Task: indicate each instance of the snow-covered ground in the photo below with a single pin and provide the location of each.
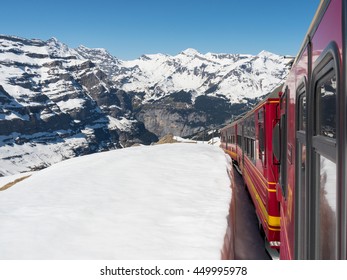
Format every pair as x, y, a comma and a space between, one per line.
167, 201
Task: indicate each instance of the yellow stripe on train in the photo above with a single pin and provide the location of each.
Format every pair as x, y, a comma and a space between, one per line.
272, 221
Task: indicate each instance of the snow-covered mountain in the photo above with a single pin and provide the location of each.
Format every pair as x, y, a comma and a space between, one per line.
109, 64
56, 104
234, 76
56, 100
188, 92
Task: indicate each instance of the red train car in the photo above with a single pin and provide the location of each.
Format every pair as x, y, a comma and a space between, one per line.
308, 147
312, 182
249, 143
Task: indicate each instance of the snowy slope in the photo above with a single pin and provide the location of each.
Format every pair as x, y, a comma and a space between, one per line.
149, 202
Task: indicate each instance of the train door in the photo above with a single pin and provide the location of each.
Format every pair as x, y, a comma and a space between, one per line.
239, 129
261, 136
325, 191
301, 196
284, 143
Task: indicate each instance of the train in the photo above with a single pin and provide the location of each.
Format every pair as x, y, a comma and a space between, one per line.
291, 149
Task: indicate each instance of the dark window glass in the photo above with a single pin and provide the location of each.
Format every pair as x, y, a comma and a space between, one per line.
327, 108
239, 129
261, 135
239, 141
252, 148
261, 115
302, 112
261, 142
252, 127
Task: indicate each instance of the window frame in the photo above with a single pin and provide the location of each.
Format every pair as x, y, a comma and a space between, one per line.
325, 67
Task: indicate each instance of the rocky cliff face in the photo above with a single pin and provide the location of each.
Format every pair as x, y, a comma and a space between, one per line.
190, 92
177, 114
57, 102
51, 96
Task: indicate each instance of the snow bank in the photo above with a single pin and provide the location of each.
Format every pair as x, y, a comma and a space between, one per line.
159, 202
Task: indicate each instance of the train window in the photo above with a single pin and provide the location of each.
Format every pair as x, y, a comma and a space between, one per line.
261, 142
324, 169
251, 126
252, 149
261, 115
246, 145
261, 135
239, 140
302, 112
249, 137
324, 138
239, 135
327, 107
327, 217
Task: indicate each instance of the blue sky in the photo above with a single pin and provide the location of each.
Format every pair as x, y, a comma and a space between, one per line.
130, 28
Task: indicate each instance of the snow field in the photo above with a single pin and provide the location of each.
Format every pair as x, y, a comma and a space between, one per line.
167, 201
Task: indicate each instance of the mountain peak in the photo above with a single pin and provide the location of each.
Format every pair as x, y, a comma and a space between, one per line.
55, 42
53, 39
190, 52
99, 50
57, 48
265, 53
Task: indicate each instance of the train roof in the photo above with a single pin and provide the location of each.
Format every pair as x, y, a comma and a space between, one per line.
323, 5
271, 95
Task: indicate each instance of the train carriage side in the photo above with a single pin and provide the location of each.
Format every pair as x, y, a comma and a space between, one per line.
228, 140
259, 167
308, 162
223, 138
312, 185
